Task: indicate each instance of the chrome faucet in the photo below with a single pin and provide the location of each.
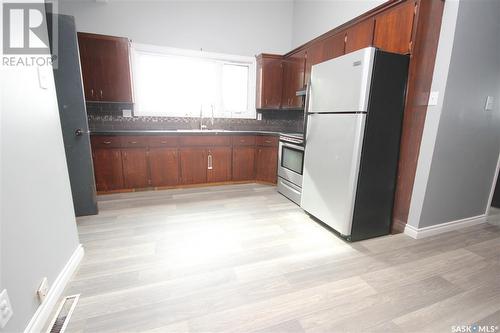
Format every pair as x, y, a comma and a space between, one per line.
212, 120
202, 127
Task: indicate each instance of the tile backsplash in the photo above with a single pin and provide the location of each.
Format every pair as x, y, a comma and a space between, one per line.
109, 116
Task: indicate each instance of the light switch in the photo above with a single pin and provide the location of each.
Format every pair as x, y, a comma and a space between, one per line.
43, 76
490, 102
433, 98
5, 308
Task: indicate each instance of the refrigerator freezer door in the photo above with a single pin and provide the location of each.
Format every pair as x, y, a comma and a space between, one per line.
331, 167
342, 84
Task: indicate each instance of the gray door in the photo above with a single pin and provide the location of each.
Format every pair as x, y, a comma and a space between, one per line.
73, 115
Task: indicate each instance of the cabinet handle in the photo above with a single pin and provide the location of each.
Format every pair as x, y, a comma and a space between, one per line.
92, 92
106, 142
101, 93
267, 141
163, 142
265, 102
210, 162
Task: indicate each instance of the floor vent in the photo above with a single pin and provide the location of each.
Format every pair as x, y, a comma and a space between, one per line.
63, 314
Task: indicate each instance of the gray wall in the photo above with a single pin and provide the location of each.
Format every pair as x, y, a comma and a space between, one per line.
234, 27
312, 18
467, 144
38, 229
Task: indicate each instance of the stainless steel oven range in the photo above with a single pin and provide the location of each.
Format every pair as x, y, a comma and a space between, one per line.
290, 165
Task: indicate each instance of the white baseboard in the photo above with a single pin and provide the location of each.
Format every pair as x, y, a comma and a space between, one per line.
43, 312
443, 227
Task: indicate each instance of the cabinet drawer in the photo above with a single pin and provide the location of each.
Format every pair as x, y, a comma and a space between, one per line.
163, 141
243, 140
205, 140
267, 140
101, 141
134, 141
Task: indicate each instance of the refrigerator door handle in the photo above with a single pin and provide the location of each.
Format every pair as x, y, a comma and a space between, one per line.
306, 108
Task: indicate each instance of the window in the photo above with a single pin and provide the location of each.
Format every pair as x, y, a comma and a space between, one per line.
181, 83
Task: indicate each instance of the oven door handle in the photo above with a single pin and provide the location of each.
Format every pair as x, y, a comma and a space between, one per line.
289, 145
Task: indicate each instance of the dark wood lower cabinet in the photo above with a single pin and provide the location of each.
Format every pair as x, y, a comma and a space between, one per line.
108, 169
266, 165
135, 168
219, 164
193, 165
243, 163
183, 160
164, 166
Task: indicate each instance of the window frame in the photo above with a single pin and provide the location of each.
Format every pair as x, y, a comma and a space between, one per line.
250, 113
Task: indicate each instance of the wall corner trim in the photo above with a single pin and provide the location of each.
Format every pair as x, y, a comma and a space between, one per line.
432, 230
43, 312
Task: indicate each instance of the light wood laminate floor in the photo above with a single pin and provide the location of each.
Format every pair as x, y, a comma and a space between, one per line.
242, 258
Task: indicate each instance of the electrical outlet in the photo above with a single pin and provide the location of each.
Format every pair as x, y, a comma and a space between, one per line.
43, 290
127, 113
490, 102
5, 308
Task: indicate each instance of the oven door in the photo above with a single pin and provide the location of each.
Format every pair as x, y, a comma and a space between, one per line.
291, 162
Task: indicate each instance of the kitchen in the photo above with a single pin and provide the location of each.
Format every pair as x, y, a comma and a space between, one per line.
228, 175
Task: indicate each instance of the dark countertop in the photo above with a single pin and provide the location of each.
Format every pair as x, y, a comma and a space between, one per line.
182, 132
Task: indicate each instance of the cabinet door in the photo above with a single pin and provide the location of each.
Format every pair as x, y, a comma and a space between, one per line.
314, 56
108, 169
359, 36
219, 164
105, 67
333, 46
193, 165
243, 163
88, 62
164, 166
293, 80
269, 81
135, 168
267, 164
393, 29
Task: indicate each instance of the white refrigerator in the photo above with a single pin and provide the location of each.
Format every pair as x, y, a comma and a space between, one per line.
353, 128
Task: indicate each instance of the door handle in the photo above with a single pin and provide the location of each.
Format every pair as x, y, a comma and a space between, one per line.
80, 132
210, 167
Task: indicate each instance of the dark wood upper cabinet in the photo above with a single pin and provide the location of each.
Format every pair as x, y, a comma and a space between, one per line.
269, 81
333, 46
266, 164
243, 163
359, 36
105, 63
135, 168
108, 168
164, 166
314, 55
193, 165
219, 164
393, 28
293, 80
